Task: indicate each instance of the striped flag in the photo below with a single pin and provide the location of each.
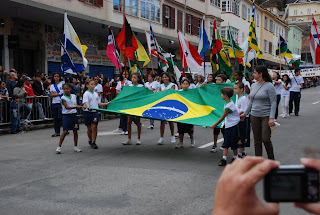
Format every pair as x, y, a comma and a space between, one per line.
252, 39
204, 43
314, 42
154, 47
282, 47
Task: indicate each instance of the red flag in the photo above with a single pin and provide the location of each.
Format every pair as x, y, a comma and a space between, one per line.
216, 39
126, 40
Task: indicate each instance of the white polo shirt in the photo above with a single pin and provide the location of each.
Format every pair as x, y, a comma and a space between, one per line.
92, 98
120, 84
232, 118
242, 104
71, 102
295, 83
98, 89
57, 99
154, 85
164, 87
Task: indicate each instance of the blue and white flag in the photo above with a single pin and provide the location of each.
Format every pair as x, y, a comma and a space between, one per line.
204, 43
72, 42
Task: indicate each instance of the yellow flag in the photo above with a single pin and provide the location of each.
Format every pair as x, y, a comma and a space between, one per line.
142, 55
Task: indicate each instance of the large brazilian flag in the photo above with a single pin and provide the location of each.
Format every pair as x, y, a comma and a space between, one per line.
201, 106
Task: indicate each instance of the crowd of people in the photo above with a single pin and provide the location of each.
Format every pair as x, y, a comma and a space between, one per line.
257, 101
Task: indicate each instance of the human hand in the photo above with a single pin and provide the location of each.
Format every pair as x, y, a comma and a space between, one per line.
242, 117
271, 122
213, 126
310, 207
237, 185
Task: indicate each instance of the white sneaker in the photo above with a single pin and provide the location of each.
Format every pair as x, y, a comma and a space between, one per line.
193, 143
117, 131
150, 127
173, 139
214, 149
176, 135
128, 142
76, 149
123, 133
126, 133
160, 141
138, 142
178, 146
58, 150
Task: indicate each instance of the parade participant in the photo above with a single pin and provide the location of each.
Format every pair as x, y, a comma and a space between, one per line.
98, 88
295, 91
262, 105
210, 80
189, 77
232, 119
91, 117
238, 77
285, 95
224, 73
174, 81
278, 85
216, 131
124, 81
182, 127
244, 126
56, 91
69, 117
166, 85
136, 82
200, 80
154, 87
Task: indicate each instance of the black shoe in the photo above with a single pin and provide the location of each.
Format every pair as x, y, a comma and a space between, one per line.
68, 132
223, 162
90, 142
297, 114
244, 154
240, 156
55, 135
233, 159
94, 146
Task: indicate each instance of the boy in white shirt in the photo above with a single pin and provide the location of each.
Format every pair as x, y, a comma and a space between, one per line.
295, 91
232, 120
153, 86
244, 126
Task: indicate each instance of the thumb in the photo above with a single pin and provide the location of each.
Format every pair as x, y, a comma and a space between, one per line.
310, 207
271, 208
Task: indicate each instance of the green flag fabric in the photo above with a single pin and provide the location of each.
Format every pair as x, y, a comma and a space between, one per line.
201, 106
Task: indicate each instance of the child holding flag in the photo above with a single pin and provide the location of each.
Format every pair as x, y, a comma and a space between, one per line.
231, 125
136, 82
69, 117
91, 117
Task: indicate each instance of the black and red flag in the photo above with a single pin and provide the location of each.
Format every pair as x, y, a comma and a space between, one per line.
126, 41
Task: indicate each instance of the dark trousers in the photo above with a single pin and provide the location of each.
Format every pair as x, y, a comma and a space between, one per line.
57, 117
124, 122
15, 123
278, 101
262, 134
294, 97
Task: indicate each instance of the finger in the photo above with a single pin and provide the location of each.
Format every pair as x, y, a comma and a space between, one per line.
248, 162
272, 208
257, 172
310, 207
309, 162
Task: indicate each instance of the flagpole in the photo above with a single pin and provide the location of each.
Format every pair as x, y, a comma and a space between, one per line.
279, 52
145, 32
184, 33
124, 31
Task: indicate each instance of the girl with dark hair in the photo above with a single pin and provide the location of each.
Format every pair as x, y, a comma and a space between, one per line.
238, 77
262, 105
56, 92
285, 95
136, 82
189, 77
124, 81
200, 80
224, 73
278, 85
166, 85
174, 81
210, 80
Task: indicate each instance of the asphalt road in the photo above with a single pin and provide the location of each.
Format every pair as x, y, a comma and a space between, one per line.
146, 179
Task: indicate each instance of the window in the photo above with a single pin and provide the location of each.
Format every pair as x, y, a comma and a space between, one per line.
309, 18
265, 46
216, 2
249, 14
309, 11
168, 17
295, 12
266, 22
243, 37
90, 1
277, 30
223, 32
257, 16
294, 33
234, 32
270, 47
117, 5
211, 29
244, 11
189, 23
180, 20
199, 25
286, 35
293, 19
230, 6
150, 9
132, 7
271, 26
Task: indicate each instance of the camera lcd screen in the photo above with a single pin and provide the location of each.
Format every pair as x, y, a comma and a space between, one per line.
285, 187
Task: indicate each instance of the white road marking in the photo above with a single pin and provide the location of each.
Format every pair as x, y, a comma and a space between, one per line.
210, 144
316, 102
106, 133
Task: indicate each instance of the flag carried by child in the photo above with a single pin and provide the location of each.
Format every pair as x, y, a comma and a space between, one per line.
204, 43
72, 42
216, 39
154, 47
126, 40
141, 54
315, 42
189, 55
112, 52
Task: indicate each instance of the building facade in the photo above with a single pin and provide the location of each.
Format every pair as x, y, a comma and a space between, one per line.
295, 39
31, 30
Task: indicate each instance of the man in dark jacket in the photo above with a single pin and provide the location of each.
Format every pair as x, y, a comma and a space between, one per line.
37, 86
11, 82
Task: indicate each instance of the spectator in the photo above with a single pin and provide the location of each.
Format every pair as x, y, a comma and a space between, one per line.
11, 83
22, 106
75, 87
4, 98
14, 113
37, 86
262, 105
